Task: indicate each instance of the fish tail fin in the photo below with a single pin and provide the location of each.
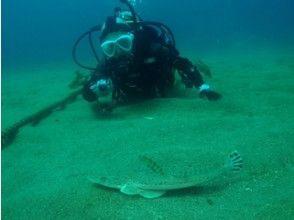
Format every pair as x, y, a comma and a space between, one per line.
234, 162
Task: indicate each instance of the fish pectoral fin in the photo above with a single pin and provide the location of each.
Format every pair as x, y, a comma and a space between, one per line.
151, 194
132, 189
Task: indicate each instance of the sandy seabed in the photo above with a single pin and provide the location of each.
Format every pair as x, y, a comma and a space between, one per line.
45, 170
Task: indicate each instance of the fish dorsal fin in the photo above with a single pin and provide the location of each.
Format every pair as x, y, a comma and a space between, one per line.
132, 189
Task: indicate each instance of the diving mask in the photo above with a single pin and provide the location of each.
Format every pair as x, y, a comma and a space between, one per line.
117, 44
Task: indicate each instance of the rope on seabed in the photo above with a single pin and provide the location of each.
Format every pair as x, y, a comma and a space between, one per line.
8, 135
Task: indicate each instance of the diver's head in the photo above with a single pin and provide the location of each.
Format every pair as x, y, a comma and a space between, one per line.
117, 44
117, 37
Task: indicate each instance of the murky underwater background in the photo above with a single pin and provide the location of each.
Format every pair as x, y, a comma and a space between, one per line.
35, 31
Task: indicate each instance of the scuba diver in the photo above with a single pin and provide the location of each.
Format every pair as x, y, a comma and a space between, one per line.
139, 61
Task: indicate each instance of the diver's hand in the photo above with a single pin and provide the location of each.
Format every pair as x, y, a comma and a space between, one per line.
206, 92
210, 95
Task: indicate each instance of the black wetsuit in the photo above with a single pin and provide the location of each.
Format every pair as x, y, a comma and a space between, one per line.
148, 72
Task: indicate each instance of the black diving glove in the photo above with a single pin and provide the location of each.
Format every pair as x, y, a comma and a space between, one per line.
205, 92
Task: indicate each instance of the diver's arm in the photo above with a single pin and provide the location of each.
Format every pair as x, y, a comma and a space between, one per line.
188, 72
191, 77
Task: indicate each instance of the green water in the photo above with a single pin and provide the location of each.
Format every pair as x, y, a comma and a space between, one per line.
45, 170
